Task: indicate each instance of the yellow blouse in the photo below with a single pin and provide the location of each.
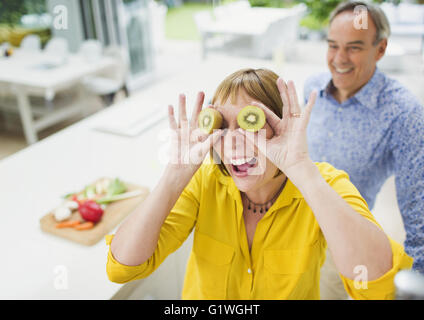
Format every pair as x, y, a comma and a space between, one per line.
287, 252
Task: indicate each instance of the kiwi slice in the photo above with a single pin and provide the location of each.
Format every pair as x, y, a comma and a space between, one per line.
251, 118
210, 119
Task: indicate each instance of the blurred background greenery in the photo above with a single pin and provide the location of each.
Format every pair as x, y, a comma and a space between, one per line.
11, 28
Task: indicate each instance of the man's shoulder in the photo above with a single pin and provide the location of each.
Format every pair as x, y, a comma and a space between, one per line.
395, 95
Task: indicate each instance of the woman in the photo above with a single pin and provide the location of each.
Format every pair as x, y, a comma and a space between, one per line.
238, 251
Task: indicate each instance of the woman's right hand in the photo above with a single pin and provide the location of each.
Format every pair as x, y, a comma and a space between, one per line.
189, 144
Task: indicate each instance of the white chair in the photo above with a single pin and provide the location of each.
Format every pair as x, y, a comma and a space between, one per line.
228, 11
57, 46
31, 43
56, 51
109, 83
406, 20
91, 50
208, 40
393, 59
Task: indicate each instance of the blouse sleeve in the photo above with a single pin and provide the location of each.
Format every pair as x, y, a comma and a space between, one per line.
175, 230
360, 288
382, 288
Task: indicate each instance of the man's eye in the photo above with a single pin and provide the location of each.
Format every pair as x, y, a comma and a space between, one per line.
354, 48
333, 47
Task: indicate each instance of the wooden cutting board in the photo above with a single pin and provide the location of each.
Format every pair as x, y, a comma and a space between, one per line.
114, 213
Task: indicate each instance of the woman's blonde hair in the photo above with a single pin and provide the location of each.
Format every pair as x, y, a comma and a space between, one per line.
259, 84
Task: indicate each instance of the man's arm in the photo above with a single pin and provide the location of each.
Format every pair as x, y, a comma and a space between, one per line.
407, 146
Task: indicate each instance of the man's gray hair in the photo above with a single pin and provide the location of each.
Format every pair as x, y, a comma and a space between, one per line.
377, 15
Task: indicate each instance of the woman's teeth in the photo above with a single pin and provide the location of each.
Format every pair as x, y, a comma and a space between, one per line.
239, 162
241, 166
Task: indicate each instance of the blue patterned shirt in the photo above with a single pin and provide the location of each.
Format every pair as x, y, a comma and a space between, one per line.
377, 133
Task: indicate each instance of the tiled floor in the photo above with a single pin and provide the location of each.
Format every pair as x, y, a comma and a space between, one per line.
12, 138
10, 143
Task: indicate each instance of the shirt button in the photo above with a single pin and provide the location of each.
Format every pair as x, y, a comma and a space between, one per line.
324, 158
339, 109
249, 271
330, 134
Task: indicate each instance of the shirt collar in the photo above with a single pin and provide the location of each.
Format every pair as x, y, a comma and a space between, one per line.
367, 95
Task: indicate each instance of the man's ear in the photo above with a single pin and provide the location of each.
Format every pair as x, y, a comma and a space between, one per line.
381, 49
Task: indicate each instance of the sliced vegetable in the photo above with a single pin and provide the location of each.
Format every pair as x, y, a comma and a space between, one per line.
68, 224
78, 198
84, 226
91, 211
90, 192
102, 185
116, 187
62, 213
68, 196
73, 205
121, 196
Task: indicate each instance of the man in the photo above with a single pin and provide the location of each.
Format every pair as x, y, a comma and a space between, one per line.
368, 124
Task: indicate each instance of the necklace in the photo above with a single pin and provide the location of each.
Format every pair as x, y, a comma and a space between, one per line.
263, 207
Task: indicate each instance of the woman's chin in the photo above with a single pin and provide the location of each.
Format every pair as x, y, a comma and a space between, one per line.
245, 182
244, 186
254, 178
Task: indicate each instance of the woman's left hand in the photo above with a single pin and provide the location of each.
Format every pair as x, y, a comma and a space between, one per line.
288, 148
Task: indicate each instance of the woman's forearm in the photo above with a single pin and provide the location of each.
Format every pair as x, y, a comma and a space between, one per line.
136, 239
351, 238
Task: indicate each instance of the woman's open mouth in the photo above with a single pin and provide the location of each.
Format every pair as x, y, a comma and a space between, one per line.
241, 166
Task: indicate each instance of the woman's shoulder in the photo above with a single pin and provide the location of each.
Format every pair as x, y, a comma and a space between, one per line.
329, 172
338, 179
208, 172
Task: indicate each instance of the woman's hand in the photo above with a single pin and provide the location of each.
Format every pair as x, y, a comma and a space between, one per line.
189, 144
288, 148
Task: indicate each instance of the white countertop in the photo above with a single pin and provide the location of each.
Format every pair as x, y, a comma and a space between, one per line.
32, 183
36, 265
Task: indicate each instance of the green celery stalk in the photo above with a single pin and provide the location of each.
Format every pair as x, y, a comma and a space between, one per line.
121, 196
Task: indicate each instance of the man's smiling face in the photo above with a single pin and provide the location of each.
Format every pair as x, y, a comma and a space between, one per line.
352, 53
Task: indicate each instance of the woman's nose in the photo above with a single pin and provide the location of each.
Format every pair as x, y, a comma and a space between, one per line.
235, 143
235, 135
